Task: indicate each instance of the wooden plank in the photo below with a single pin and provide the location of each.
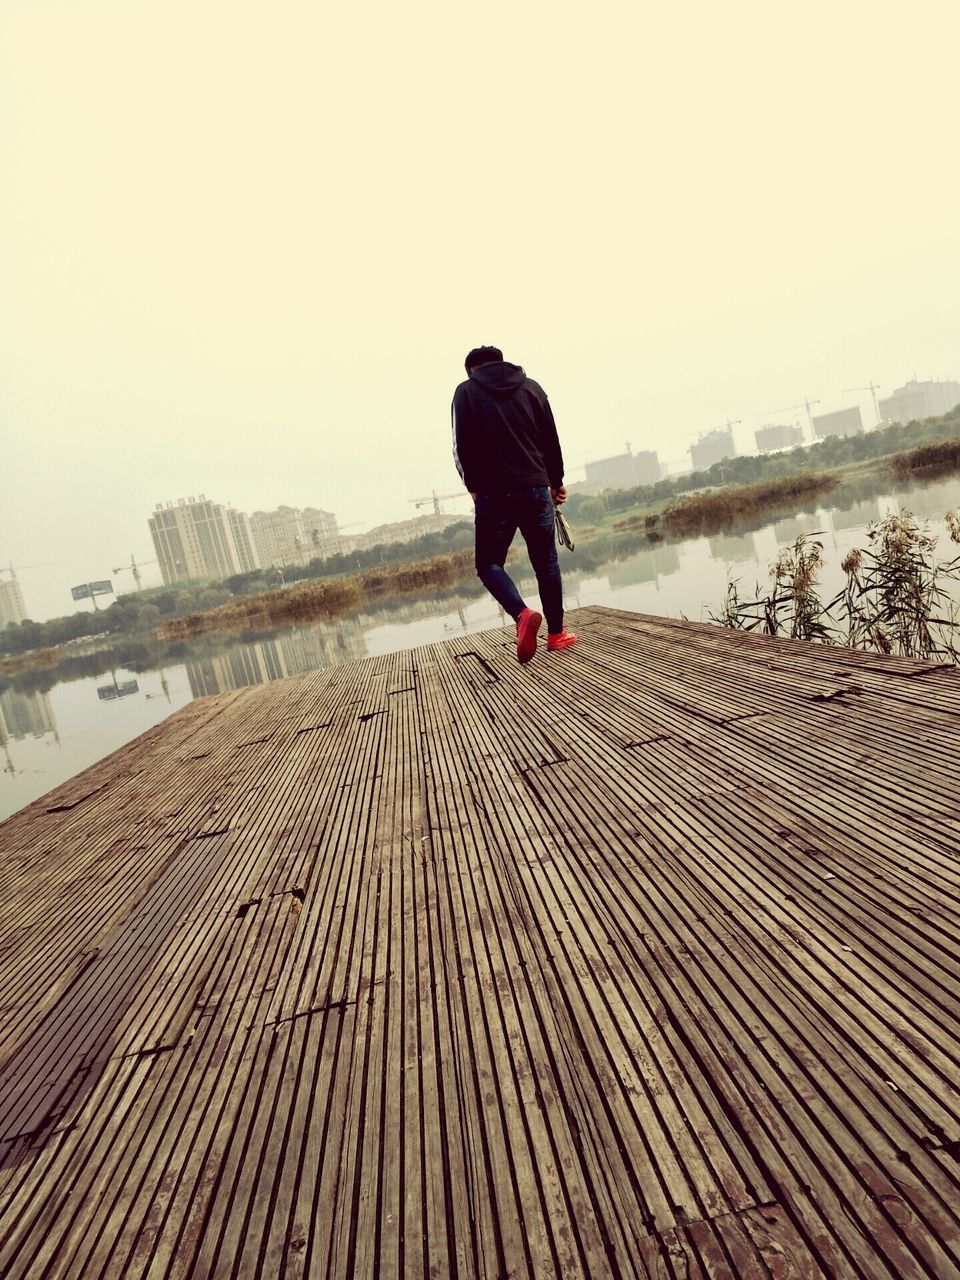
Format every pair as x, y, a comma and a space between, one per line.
639, 961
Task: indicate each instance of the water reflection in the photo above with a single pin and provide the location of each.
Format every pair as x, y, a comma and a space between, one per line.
788, 531
857, 515
668, 579
287, 653
645, 566
22, 716
734, 548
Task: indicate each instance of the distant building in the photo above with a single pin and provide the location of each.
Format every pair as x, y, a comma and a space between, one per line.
845, 422
403, 530
12, 608
288, 535
243, 542
624, 470
319, 527
920, 400
712, 447
279, 537
778, 436
193, 539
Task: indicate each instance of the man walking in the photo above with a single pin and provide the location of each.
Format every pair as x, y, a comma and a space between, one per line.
506, 449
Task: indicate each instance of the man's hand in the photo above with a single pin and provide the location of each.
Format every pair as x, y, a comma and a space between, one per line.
559, 496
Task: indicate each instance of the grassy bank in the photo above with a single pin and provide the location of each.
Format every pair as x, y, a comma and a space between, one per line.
326, 599
939, 459
718, 510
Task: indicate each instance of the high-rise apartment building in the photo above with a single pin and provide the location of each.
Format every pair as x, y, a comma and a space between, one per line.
193, 539
845, 422
920, 400
320, 530
280, 538
242, 533
624, 470
712, 447
12, 608
778, 435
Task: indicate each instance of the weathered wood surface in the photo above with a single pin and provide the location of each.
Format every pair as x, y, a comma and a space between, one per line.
641, 961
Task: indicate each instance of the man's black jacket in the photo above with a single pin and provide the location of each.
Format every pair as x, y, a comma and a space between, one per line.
504, 435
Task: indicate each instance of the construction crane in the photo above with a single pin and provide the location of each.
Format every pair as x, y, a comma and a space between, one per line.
804, 404
434, 500
134, 568
12, 568
873, 389
318, 539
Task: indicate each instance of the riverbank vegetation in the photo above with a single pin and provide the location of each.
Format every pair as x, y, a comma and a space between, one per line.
929, 460
328, 599
895, 598
704, 514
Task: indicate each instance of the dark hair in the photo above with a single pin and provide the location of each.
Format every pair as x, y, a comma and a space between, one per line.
482, 355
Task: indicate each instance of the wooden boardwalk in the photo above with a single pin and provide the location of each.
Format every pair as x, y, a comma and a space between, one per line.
641, 961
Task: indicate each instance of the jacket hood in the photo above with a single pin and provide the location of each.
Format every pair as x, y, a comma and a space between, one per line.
500, 379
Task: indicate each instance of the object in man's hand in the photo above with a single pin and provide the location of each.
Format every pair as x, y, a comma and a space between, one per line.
564, 536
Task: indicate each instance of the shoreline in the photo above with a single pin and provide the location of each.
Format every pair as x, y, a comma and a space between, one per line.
728, 508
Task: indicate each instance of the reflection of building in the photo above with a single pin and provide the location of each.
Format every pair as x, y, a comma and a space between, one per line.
930, 501
920, 400
12, 608
857, 516
193, 539
288, 653
845, 422
26, 715
734, 548
790, 530
624, 470
712, 447
648, 565
778, 436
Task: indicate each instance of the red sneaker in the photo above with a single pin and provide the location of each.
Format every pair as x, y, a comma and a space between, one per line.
528, 624
562, 640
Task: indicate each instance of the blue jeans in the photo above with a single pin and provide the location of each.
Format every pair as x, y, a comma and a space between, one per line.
498, 517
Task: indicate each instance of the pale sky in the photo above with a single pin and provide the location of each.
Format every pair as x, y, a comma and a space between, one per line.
245, 246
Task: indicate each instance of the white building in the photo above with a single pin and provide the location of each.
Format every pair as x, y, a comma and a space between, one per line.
844, 422
291, 536
916, 400
279, 537
193, 539
12, 608
712, 447
242, 532
624, 470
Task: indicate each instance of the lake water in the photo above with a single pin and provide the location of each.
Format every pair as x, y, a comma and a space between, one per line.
47, 737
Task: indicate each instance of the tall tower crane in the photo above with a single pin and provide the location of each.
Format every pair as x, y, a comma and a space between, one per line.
134, 568
12, 568
435, 499
804, 404
873, 389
